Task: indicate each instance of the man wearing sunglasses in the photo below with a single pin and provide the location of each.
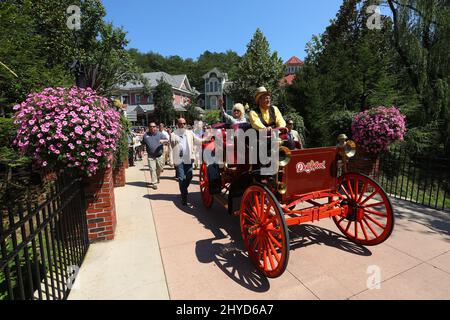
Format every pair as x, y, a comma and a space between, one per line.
154, 142
184, 155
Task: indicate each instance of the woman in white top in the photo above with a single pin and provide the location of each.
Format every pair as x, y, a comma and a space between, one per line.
238, 113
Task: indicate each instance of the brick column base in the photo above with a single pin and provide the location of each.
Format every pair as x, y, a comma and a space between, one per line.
119, 176
101, 208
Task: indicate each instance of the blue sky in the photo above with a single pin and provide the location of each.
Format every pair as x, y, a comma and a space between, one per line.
189, 27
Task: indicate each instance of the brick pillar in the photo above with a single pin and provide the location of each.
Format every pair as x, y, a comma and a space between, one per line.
119, 176
101, 208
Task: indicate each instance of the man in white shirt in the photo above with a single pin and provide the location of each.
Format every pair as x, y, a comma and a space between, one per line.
183, 154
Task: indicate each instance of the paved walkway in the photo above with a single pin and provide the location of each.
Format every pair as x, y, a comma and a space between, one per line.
203, 258
130, 266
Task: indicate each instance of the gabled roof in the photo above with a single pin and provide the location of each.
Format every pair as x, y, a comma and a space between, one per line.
294, 61
215, 70
175, 81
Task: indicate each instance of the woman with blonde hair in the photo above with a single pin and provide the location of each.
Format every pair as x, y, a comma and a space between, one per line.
238, 113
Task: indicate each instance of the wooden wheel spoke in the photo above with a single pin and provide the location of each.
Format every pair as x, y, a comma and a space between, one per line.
348, 226
257, 206
372, 210
377, 213
370, 228
274, 251
249, 217
364, 231
260, 245
375, 221
377, 204
270, 254
345, 191
363, 191
274, 241
349, 185
368, 198
263, 249
267, 212
253, 246
262, 206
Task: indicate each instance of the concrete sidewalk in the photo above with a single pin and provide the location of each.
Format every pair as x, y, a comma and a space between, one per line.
203, 256
130, 266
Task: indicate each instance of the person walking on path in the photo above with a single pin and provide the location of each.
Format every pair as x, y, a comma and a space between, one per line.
154, 142
184, 156
162, 129
130, 149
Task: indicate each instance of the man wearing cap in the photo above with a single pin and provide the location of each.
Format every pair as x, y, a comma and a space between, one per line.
238, 113
267, 115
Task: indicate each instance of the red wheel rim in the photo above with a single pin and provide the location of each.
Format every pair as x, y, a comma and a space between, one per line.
207, 198
369, 219
264, 231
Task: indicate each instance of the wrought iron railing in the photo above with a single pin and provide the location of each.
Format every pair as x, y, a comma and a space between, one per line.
416, 178
43, 241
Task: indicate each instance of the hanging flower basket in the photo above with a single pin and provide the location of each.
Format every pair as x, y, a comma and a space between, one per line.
374, 131
72, 129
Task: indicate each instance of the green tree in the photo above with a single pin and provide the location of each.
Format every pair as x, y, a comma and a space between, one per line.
348, 67
259, 67
212, 116
39, 46
421, 36
163, 97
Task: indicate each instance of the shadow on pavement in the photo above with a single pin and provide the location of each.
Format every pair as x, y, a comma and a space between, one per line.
233, 262
139, 184
304, 235
436, 220
229, 257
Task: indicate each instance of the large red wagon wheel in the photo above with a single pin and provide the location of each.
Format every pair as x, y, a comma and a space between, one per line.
207, 197
370, 218
264, 231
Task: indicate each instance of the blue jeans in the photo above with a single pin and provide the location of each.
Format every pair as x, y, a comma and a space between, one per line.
184, 174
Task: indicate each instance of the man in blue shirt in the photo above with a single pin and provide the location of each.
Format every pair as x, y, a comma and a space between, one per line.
154, 142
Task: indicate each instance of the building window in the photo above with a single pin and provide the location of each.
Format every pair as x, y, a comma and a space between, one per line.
125, 99
216, 88
138, 98
213, 102
211, 88
150, 99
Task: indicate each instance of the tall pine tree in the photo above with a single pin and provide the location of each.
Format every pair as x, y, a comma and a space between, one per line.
259, 67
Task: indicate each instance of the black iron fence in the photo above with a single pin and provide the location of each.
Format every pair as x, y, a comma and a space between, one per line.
420, 179
43, 241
